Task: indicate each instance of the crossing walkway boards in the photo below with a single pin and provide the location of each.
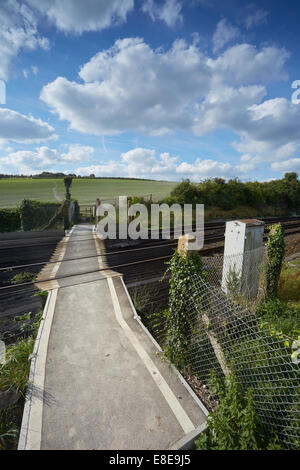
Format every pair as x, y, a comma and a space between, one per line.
97, 378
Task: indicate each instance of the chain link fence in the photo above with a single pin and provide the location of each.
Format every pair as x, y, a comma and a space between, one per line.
225, 333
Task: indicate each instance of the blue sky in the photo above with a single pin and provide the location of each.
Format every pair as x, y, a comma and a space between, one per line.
162, 89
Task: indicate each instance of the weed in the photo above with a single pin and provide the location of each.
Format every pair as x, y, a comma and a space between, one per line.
23, 277
234, 425
14, 373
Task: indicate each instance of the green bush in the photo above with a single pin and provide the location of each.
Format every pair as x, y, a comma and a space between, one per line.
178, 326
77, 211
36, 214
10, 220
22, 277
283, 316
274, 197
275, 250
234, 425
264, 366
185, 192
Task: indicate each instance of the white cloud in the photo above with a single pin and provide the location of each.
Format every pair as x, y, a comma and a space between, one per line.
28, 161
224, 34
18, 127
169, 11
43, 159
272, 132
138, 162
18, 32
78, 16
244, 168
33, 70
256, 17
227, 107
141, 161
268, 131
144, 163
246, 64
111, 168
19, 21
133, 87
139, 157
203, 168
293, 164
77, 153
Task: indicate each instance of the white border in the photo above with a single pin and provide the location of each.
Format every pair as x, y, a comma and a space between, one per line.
31, 427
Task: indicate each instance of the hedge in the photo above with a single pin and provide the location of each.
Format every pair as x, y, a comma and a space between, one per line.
77, 216
10, 220
35, 214
32, 215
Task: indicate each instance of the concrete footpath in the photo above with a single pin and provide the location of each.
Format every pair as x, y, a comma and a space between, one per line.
97, 379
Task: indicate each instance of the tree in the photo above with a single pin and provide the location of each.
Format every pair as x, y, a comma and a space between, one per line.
291, 177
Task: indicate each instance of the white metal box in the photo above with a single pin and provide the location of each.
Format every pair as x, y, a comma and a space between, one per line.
243, 252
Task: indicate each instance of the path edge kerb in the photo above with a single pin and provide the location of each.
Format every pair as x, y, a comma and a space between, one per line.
30, 438
187, 442
46, 323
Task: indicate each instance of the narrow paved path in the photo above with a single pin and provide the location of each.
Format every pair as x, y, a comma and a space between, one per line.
98, 380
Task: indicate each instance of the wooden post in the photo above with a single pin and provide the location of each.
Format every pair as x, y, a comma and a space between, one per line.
183, 243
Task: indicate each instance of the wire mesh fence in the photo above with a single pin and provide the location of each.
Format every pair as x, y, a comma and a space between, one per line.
226, 333
238, 276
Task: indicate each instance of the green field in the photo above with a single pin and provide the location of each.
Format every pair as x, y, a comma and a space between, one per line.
14, 190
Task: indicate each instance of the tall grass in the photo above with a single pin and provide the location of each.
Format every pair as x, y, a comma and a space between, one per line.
14, 373
289, 282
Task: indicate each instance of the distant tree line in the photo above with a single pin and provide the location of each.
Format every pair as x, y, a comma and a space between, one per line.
48, 175
280, 193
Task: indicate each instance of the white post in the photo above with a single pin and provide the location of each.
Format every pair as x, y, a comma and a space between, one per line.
243, 252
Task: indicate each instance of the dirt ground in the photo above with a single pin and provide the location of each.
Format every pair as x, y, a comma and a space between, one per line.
211, 402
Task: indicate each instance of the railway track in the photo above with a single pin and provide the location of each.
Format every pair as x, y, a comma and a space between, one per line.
139, 274
144, 263
19, 300
115, 257
15, 249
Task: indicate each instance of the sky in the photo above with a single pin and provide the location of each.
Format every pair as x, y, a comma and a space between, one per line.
161, 89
